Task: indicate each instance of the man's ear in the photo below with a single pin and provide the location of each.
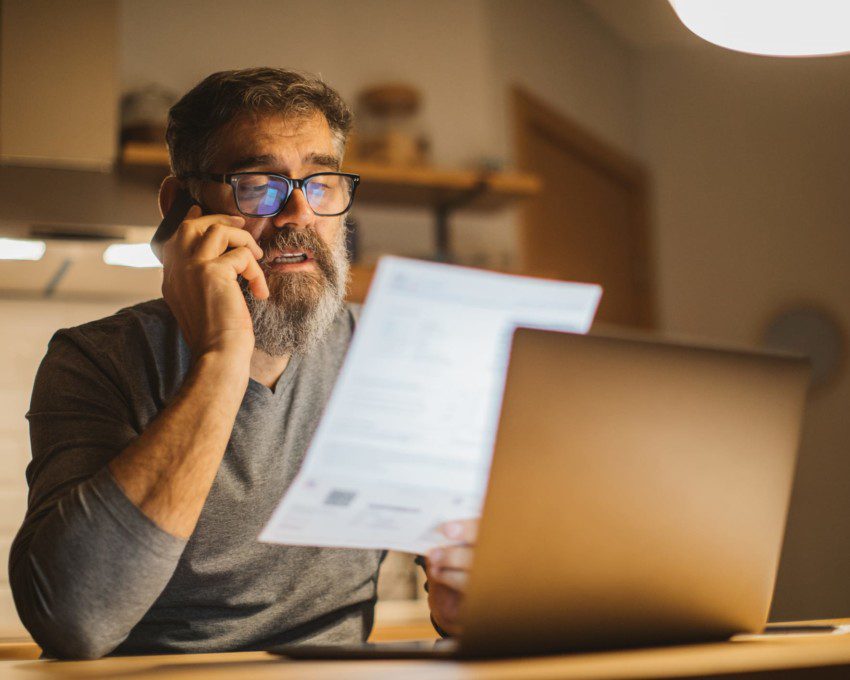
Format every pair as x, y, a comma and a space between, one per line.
168, 191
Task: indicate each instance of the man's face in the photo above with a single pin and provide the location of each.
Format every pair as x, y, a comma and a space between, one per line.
304, 295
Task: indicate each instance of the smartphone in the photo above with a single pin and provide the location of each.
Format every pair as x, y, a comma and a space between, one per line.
171, 221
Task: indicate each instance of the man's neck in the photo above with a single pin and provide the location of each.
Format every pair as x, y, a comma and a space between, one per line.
266, 369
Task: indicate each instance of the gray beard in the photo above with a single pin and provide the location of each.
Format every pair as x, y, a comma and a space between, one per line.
301, 306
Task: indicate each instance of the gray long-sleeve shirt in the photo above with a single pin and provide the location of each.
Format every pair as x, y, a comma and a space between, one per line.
92, 575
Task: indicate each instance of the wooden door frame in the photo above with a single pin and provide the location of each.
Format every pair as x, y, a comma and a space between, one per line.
528, 110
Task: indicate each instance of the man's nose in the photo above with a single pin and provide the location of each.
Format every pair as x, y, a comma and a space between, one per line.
296, 214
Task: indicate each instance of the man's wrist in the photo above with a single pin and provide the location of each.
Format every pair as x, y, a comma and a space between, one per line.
229, 369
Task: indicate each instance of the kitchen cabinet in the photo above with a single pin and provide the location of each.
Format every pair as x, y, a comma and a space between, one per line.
59, 83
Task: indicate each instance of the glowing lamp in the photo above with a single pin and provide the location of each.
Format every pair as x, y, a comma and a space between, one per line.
130, 255
786, 28
21, 249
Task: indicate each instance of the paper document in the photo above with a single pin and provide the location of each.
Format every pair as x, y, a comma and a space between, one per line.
406, 439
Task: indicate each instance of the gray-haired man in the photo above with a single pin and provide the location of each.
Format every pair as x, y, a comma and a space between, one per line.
164, 436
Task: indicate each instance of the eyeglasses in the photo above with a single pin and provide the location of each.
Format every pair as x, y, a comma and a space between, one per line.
265, 194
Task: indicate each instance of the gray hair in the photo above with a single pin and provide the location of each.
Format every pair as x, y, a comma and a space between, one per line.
223, 97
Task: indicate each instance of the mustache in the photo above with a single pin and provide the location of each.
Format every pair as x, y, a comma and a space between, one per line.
296, 239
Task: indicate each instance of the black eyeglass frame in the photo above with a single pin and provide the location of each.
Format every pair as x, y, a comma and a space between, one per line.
231, 178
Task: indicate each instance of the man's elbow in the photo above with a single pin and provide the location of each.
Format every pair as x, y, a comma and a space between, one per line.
77, 644
67, 638
63, 631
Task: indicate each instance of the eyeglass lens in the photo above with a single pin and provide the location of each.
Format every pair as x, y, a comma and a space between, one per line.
262, 195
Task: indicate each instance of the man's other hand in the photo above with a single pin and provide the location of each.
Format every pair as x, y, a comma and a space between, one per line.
447, 569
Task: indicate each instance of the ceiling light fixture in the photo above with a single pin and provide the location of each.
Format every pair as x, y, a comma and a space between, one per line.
21, 249
130, 255
782, 28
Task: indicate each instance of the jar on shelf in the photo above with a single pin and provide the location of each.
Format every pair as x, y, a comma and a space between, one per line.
388, 127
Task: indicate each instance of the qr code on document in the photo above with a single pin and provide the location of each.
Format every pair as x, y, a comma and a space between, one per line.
340, 497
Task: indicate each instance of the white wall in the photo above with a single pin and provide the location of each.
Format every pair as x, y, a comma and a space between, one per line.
749, 158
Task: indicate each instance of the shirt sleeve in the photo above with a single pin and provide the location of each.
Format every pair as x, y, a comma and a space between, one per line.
86, 564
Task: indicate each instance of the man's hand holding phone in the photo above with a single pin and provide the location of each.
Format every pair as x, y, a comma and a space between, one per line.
201, 264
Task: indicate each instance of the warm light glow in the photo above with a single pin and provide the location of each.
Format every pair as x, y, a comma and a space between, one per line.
19, 249
130, 255
789, 28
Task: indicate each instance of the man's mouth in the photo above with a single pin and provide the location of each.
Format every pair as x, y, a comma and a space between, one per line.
291, 257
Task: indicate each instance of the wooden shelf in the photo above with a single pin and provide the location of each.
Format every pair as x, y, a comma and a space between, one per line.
399, 186
145, 155
434, 187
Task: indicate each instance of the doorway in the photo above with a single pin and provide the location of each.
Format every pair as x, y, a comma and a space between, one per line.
589, 222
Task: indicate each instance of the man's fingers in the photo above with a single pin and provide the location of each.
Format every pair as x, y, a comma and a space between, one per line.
256, 279
462, 530
452, 557
456, 579
219, 237
194, 225
204, 221
243, 263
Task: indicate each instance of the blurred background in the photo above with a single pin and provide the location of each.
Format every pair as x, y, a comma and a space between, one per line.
593, 140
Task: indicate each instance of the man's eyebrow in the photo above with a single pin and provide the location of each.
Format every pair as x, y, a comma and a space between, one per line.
324, 160
252, 162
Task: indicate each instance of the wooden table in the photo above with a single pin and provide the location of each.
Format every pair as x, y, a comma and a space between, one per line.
789, 657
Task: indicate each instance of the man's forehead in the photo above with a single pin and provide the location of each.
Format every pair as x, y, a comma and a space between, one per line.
264, 140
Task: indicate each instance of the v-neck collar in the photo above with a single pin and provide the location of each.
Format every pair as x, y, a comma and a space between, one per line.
282, 382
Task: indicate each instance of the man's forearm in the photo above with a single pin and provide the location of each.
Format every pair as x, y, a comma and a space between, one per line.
169, 470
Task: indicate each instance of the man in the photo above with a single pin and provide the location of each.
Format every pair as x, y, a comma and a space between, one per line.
164, 436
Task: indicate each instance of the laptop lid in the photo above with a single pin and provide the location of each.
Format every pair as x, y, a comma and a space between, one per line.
638, 495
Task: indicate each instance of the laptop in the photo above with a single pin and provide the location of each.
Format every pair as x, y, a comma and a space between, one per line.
637, 497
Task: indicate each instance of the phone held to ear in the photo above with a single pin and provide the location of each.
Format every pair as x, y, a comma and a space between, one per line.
171, 221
